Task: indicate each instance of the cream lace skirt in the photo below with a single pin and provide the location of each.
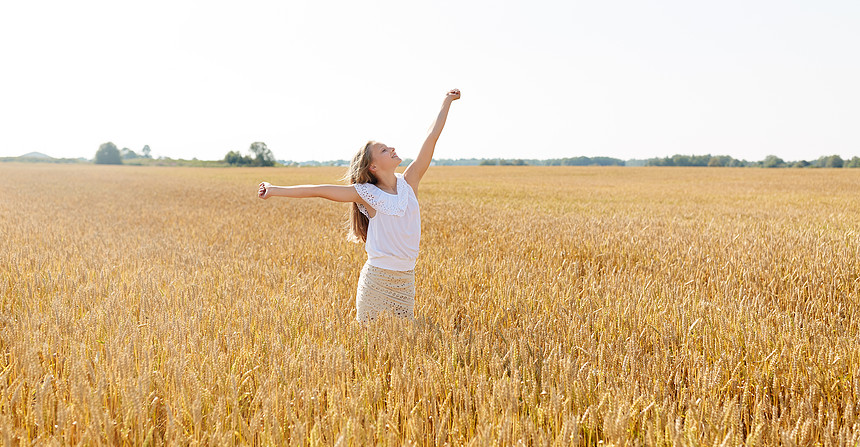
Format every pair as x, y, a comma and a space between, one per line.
384, 290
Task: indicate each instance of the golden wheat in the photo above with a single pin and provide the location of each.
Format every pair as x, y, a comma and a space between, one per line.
640, 306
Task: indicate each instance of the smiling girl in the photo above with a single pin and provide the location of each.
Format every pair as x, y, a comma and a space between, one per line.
385, 215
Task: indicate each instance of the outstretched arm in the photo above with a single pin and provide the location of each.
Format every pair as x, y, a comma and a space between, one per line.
415, 171
337, 193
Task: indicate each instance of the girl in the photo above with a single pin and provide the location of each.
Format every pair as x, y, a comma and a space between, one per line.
385, 216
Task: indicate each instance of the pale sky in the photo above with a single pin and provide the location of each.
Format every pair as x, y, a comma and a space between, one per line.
540, 79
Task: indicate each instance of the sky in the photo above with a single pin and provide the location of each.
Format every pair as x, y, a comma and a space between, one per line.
314, 80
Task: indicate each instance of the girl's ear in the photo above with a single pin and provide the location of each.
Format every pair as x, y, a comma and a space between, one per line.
372, 168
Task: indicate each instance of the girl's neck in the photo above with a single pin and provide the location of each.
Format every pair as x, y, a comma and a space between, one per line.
387, 182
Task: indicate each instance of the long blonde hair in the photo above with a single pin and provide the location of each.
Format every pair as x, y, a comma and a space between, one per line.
359, 172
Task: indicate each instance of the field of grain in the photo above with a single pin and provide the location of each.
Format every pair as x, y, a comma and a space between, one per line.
638, 306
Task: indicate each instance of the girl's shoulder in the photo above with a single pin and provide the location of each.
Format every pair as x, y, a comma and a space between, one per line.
403, 186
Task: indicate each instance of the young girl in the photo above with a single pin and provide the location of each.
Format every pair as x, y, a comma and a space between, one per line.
385, 216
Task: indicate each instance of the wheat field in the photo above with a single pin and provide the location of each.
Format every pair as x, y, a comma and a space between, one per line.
555, 306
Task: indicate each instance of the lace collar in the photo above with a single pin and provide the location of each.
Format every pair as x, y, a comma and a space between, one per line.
383, 202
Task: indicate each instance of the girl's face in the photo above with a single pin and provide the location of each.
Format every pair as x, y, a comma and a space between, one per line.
383, 158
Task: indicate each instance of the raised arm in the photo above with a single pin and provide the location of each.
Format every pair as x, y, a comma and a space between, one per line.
415, 171
337, 193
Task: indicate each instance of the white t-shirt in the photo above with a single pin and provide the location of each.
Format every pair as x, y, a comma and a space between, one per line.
394, 232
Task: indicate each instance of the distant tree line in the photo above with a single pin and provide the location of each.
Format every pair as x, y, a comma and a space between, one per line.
829, 161
108, 154
262, 156
573, 161
771, 161
316, 164
585, 161
502, 162
698, 160
42, 159
128, 154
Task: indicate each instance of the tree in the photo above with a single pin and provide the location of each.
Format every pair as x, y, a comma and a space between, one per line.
721, 161
828, 161
234, 158
578, 161
834, 161
772, 161
128, 154
853, 163
146, 151
666, 161
108, 154
685, 160
262, 155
